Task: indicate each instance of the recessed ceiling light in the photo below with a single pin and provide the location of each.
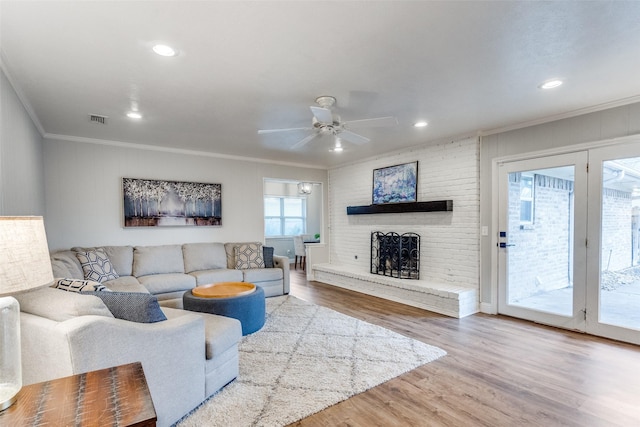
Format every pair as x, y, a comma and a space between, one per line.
551, 84
134, 115
420, 124
164, 50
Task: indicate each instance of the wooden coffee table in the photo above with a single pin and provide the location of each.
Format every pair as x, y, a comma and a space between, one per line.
224, 290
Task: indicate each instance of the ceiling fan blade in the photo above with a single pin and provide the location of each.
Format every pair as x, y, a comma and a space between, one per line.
353, 137
263, 131
304, 141
322, 114
376, 122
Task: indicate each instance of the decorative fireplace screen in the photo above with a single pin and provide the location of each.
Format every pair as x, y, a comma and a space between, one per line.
395, 255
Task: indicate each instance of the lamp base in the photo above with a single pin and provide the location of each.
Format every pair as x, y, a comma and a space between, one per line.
9, 394
10, 362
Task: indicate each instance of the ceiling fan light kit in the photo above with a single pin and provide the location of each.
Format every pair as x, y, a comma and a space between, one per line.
324, 122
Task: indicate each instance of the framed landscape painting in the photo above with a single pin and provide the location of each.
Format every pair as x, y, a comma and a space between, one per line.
395, 184
156, 203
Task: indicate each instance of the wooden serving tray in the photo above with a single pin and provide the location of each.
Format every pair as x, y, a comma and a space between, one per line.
223, 290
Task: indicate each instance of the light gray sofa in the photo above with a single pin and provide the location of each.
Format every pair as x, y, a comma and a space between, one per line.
185, 358
167, 271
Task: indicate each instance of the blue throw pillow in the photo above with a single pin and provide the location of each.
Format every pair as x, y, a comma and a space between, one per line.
267, 255
133, 306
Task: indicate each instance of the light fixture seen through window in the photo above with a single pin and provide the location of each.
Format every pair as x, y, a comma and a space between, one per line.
551, 84
304, 187
164, 50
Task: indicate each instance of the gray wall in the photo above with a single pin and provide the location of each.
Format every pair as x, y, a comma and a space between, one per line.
84, 195
21, 163
596, 126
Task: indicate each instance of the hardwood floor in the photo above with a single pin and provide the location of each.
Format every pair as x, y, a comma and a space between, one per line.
499, 371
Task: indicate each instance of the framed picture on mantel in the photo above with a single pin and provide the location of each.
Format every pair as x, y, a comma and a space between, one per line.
395, 184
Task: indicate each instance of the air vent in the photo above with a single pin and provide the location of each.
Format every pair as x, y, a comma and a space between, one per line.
96, 118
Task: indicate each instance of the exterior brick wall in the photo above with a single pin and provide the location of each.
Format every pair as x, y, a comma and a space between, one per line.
616, 230
539, 259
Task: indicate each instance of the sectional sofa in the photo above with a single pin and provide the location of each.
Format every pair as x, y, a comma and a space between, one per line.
167, 271
186, 356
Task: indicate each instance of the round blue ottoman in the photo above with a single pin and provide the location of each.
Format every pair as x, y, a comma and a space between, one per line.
247, 308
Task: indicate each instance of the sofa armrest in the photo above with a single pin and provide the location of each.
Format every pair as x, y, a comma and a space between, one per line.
283, 263
172, 353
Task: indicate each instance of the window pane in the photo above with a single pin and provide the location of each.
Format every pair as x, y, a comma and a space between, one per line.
272, 227
525, 211
292, 207
272, 206
293, 226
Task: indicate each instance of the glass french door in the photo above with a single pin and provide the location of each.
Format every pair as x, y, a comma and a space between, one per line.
542, 239
613, 270
569, 240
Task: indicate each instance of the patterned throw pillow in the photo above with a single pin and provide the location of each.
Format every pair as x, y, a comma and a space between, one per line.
249, 255
132, 306
96, 266
75, 285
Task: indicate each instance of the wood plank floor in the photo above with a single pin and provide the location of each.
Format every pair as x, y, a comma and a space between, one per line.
499, 371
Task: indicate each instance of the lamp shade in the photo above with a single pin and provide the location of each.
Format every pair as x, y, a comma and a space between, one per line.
24, 254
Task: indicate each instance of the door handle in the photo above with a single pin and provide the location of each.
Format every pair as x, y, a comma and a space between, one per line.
504, 245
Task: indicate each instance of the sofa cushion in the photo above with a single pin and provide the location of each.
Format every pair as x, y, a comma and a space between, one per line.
125, 284
249, 255
131, 306
221, 333
96, 265
256, 275
162, 259
121, 257
267, 254
203, 256
215, 276
57, 305
163, 283
76, 285
66, 264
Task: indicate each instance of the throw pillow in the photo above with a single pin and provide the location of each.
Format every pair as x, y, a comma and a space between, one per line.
249, 255
267, 252
96, 266
132, 306
75, 285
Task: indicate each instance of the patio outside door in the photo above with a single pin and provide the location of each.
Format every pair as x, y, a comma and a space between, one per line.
542, 240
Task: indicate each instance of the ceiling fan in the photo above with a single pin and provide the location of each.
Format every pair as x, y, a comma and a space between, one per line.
324, 122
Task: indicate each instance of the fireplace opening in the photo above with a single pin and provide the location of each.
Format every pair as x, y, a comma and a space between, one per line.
395, 255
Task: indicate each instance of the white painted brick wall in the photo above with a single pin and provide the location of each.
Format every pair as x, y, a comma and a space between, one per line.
449, 241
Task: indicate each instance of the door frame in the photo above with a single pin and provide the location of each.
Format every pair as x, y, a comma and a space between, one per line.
578, 159
596, 158
491, 307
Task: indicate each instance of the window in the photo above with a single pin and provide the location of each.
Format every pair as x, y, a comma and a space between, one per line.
526, 199
284, 216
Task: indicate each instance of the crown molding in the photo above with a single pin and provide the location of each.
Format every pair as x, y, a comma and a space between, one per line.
567, 115
6, 69
147, 147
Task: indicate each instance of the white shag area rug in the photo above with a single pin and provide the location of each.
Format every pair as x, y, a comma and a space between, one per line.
307, 358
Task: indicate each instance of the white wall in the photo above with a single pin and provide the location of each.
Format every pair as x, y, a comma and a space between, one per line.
84, 195
449, 240
596, 126
21, 173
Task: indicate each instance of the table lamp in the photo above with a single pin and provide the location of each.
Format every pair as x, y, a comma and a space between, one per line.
24, 265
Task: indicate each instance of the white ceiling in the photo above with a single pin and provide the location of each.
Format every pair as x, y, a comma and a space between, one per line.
462, 66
